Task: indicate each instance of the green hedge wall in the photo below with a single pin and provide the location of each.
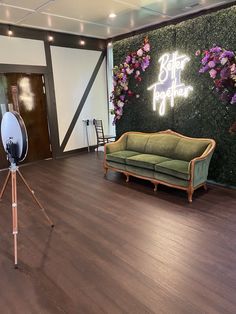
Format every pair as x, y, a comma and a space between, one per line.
202, 114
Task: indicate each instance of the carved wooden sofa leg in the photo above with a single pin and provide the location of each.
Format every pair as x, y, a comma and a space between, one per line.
205, 186
127, 177
155, 186
190, 194
105, 171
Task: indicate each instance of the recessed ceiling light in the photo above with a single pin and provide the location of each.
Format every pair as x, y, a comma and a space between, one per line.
82, 42
112, 15
9, 31
50, 38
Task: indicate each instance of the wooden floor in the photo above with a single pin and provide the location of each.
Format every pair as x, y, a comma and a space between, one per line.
117, 247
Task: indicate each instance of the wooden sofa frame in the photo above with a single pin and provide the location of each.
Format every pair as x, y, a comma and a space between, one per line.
190, 188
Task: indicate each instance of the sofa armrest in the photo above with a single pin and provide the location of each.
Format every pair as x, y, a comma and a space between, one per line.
116, 146
199, 166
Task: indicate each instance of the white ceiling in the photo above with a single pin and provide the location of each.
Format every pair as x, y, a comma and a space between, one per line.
90, 18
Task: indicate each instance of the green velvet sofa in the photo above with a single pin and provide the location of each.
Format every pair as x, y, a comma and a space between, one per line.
164, 157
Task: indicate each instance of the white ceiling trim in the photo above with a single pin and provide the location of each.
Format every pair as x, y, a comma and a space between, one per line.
91, 17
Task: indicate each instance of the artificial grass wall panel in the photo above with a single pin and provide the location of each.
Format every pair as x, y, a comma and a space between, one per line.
202, 114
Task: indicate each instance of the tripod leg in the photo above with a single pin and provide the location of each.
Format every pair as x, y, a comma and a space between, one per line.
14, 214
35, 198
5, 184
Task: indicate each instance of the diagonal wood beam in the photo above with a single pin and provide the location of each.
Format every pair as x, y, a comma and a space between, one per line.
82, 101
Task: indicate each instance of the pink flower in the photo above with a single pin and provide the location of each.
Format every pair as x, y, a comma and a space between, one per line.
233, 68
120, 103
213, 73
119, 111
140, 52
211, 64
198, 52
128, 59
132, 64
129, 71
146, 47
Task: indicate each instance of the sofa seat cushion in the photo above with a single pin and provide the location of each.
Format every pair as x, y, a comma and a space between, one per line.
121, 156
147, 161
176, 168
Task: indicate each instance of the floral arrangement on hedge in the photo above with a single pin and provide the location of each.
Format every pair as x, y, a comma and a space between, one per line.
221, 66
135, 63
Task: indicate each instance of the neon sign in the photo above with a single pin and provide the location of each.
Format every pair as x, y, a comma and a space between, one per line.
169, 85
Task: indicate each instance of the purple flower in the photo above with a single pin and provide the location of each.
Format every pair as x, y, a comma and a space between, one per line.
145, 63
121, 77
221, 65
216, 49
124, 78
204, 69
227, 54
225, 73
233, 100
205, 59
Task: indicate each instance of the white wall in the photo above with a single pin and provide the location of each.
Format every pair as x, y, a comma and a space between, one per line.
72, 69
22, 51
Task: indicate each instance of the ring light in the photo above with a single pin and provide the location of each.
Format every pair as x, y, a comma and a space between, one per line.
14, 136
15, 143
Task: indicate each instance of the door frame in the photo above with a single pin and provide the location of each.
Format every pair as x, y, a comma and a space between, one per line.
50, 99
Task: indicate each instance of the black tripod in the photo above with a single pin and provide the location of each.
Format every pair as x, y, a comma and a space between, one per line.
13, 170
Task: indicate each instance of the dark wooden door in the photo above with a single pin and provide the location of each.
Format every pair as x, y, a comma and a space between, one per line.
26, 94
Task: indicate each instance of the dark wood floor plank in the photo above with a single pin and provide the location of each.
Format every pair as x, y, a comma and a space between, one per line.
116, 247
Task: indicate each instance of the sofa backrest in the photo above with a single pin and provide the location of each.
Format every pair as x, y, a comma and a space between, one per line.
137, 142
162, 144
187, 149
167, 145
